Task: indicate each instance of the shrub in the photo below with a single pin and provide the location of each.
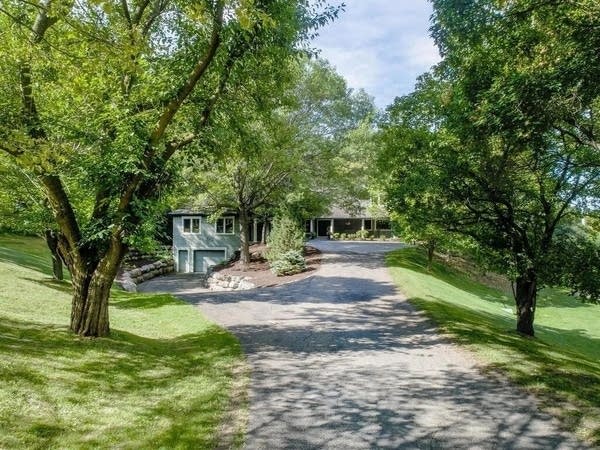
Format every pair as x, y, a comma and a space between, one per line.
336, 236
343, 236
288, 264
362, 234
286, 236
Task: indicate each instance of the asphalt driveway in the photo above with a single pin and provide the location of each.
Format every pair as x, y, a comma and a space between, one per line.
340, 360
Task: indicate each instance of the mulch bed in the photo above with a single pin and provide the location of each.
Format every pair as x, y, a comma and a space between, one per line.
259, 273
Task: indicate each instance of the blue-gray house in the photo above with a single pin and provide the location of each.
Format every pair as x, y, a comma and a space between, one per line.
199, 243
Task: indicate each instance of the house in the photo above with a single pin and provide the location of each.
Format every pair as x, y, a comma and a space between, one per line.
199, 243
340, 220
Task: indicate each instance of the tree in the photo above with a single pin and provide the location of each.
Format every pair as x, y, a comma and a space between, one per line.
334, 127
101, 95
250, 174
510, 155
286, 154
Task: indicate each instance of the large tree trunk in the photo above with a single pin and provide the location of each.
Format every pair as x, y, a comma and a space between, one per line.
244, 238
91, 291
57, 263
525, 298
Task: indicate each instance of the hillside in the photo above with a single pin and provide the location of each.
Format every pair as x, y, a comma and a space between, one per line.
162, 379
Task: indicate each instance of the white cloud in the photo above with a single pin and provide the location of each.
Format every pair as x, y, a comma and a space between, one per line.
422, 53
380, 45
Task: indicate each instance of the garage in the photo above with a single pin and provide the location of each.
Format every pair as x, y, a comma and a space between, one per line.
203, 259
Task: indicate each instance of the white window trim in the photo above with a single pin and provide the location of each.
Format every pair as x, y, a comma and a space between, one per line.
199, 218
223, 218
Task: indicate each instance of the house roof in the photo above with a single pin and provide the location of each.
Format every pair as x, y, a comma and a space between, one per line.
194, 212
360, 211
337, 212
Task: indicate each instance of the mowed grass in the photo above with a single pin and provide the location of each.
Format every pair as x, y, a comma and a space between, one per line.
161, 380
561, 364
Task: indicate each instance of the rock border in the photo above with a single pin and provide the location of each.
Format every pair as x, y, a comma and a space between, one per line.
129, 279
217, 281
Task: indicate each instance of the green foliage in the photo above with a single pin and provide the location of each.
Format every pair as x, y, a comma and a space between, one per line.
288, 148
162, 380
288, 263
562, 365
104, 101
498, 143
21, 202
333, 130
363, 234
574, 261
286, 236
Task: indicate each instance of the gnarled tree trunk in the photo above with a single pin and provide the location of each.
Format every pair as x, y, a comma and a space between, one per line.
525, 298
91, 291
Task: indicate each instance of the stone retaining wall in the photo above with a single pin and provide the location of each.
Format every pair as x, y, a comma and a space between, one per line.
131, 278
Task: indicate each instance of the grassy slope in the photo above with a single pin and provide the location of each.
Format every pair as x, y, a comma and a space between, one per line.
162, 379
562, 363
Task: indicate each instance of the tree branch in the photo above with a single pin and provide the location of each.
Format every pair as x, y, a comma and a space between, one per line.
126, 13
42, 22
63, 211
139, 12
199, 70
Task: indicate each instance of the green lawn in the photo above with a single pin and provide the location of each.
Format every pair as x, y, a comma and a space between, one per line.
562, 364
161, 380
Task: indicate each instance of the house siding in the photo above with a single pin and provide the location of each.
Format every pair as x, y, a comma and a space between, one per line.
207, 239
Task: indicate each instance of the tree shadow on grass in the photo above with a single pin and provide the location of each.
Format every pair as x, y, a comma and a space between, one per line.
126, 300
42, 264
414, 259
61, 286
562, 376
38, 263
158, 391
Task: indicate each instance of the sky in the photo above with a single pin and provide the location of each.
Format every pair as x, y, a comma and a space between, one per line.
380, 45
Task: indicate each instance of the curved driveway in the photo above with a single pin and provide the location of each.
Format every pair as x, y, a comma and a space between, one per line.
340, 360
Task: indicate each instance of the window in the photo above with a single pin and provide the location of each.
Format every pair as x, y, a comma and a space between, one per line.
368, 224
191, 224
225, 225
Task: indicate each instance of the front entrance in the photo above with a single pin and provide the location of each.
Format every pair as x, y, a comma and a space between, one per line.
323, 227
203, 259
182, 261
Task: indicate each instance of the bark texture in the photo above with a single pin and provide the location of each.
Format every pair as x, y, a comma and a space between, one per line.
57, 262
430, 253
91, 290
525, 297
